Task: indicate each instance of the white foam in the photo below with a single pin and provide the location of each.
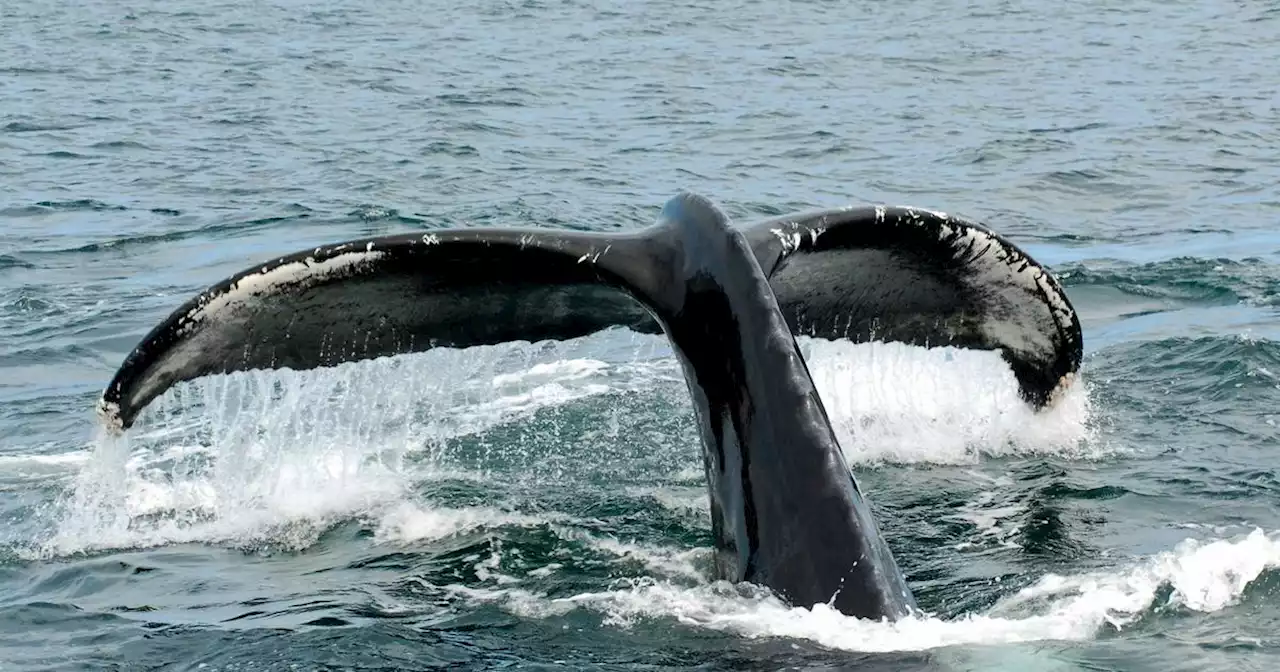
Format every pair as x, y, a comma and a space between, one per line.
73, 458
518, 601
689, 500
406, 522
687, 563
1203, 576
37, 467
996, 520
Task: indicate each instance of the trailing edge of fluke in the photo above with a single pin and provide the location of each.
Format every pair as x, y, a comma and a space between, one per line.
786, 511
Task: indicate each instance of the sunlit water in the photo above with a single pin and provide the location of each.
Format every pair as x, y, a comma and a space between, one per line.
542, 505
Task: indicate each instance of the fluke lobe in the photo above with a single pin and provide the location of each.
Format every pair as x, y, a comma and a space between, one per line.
786, 511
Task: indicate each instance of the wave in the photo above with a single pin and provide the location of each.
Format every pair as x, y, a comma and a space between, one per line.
1196, 576
1180, 281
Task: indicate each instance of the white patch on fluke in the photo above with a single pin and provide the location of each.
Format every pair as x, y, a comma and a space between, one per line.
214, 306
270, 280
790, 240
594, 254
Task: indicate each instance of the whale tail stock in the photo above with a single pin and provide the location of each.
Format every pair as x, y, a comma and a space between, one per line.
786, 511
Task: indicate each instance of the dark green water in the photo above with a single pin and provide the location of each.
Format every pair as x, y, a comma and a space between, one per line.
541, 506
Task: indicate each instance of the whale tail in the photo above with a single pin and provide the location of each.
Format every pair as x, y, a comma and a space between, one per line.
871, 273
910, 275
786, 510
386, 296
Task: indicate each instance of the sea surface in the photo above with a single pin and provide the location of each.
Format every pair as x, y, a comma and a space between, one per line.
541, 506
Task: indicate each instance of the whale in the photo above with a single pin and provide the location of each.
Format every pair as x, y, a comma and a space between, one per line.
787, 512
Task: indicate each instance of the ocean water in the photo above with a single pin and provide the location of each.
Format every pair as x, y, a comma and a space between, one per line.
541, 506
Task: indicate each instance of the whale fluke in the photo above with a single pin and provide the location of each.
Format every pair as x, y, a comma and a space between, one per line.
786, 511
869, 273
921, 277
385, 296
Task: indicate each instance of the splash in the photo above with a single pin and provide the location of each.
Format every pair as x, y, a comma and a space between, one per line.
275, 457
896, 403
